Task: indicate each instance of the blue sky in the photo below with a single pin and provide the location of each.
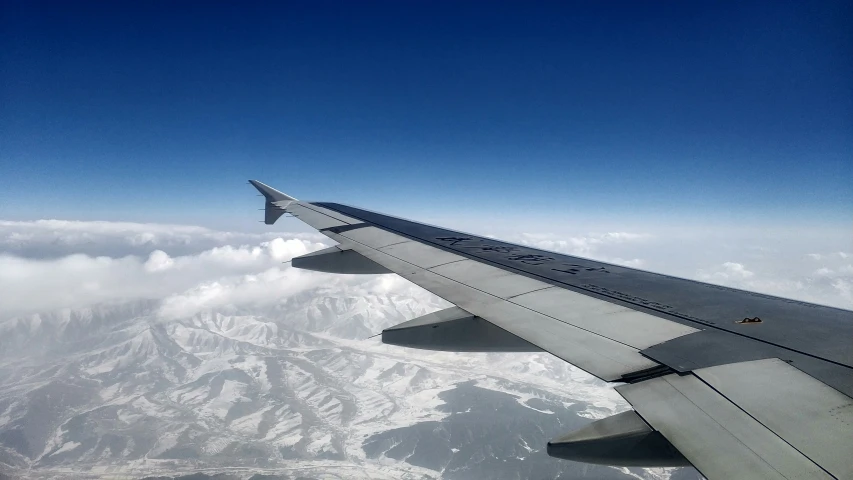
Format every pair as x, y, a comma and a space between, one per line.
736, 112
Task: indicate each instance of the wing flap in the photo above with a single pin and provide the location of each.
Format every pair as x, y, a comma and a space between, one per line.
719, 439
600, 356
814, 418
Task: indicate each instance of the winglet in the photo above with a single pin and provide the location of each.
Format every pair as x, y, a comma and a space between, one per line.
276, 204
272, 194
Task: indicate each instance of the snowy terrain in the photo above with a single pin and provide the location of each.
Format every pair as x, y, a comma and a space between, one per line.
293, 389
143, 350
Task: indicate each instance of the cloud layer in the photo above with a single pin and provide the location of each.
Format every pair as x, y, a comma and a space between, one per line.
829, 280
51, 264
593, 245
31, 285
55, 238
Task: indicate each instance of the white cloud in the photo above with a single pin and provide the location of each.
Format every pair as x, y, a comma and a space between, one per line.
229, 275
158, 261
56, 238
269, 287
844, 289
825, 285
728, 271
633, 263
611, 247
827, 256
31, 285
590, 245
771, 264
111, 262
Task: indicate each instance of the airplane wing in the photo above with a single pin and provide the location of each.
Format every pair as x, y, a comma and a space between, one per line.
736, 383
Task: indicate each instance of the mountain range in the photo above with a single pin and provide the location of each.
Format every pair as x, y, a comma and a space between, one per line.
296, 389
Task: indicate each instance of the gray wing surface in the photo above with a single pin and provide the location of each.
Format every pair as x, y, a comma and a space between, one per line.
736, 383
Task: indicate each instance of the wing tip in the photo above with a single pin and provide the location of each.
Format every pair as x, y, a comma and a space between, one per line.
270, 193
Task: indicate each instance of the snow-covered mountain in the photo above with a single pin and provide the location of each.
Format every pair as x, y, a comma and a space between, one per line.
293, 389
175, 350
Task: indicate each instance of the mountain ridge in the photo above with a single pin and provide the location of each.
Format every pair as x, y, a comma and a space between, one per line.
120, 390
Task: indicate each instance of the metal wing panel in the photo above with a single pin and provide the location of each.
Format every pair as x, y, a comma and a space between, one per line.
614, 322
374, 237
718, 438
814, 418
421, 255
692, 303
593, 353
622, 324
489, 279
312, 217
600, 356
330, 213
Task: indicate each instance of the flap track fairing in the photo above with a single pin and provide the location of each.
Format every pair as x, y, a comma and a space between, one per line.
624, 439
455, 330
337, 260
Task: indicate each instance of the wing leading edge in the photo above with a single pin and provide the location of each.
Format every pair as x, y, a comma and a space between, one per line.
688, 365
